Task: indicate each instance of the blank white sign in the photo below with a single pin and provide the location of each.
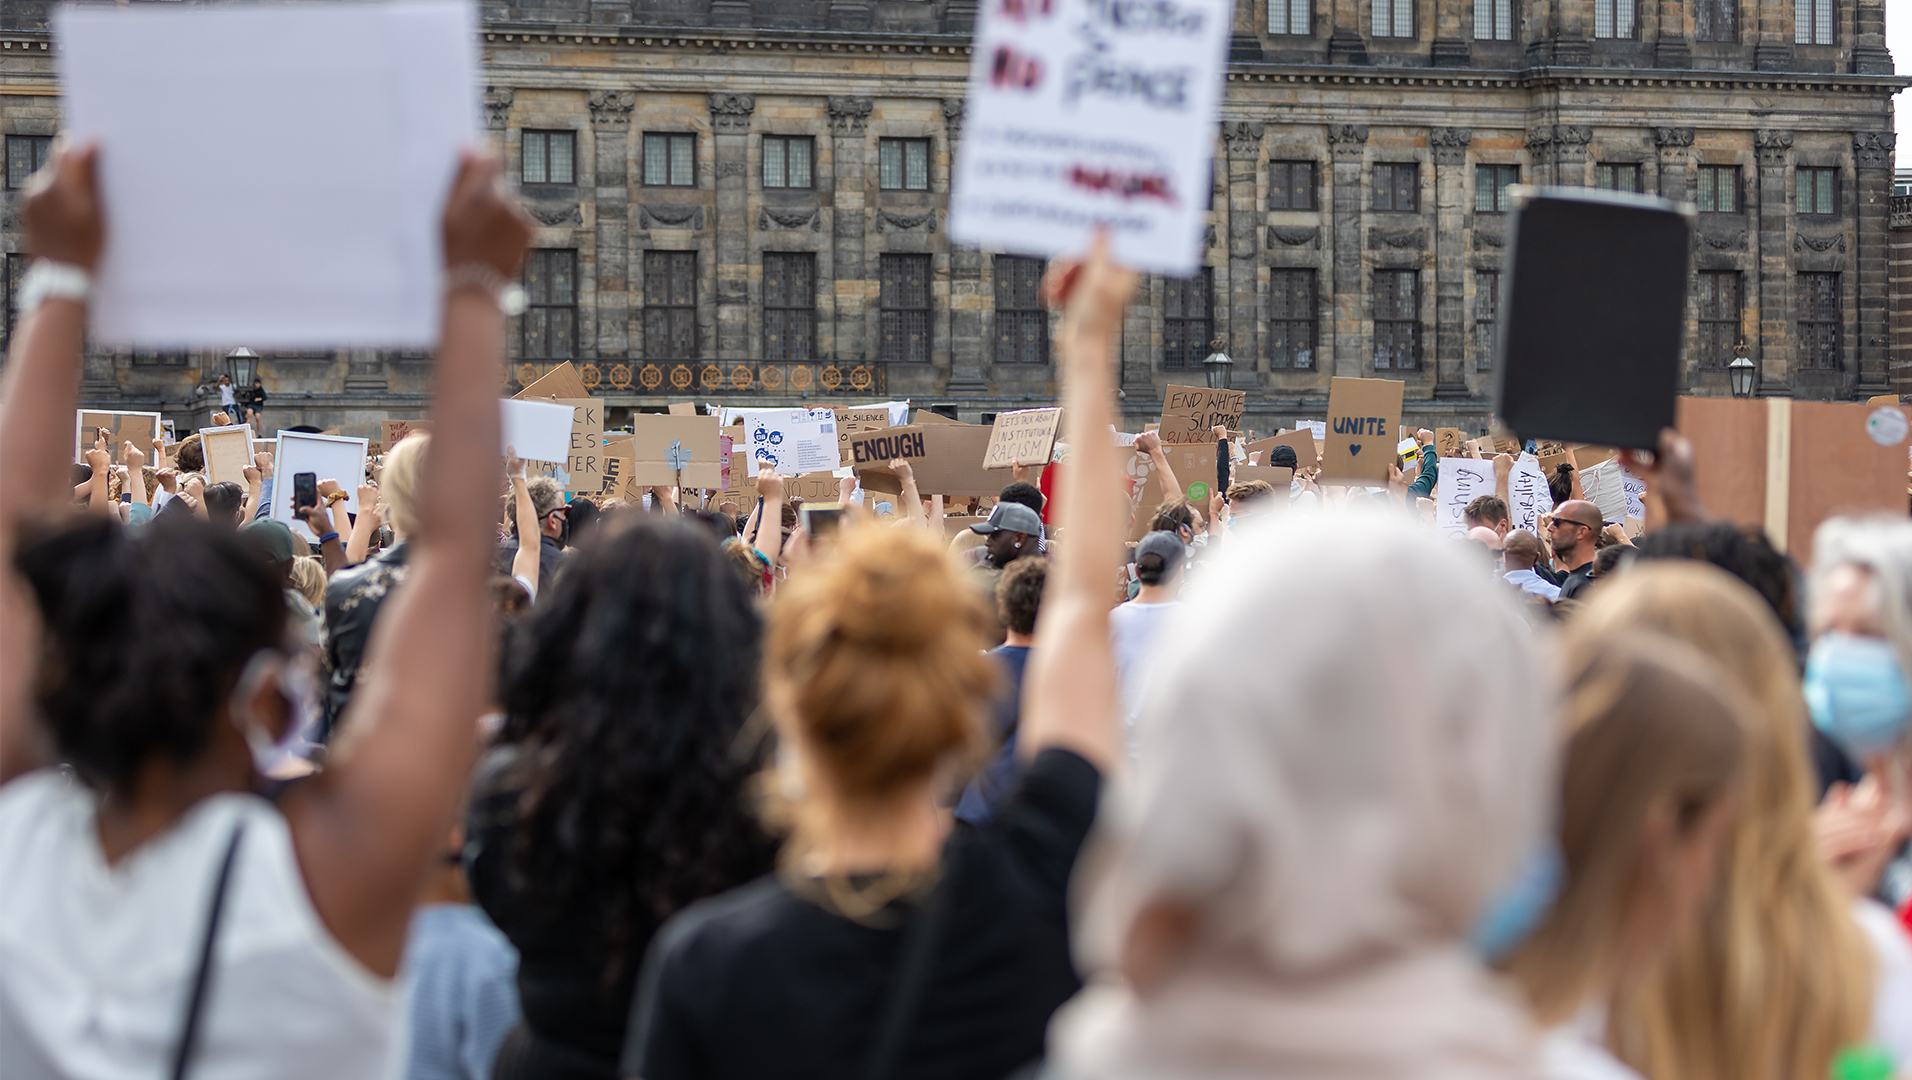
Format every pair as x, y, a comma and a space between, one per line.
326, 457
536, 430
273, 175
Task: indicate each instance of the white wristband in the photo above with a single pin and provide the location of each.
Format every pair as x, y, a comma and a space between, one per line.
47, 280
506, 293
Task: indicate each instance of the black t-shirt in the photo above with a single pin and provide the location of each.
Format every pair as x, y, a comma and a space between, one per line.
761, 984
1575, 580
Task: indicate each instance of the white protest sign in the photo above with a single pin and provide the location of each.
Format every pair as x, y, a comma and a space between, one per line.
287, 249
1604, 488
1635, 489
1462, 481
1317, 428
794, 441
536, 430
1528, 496
1086, 113
326, 457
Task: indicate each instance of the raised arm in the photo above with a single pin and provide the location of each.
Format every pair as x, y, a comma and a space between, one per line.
1069, 700
912, 497
61, 215
368, 828
524, 565
1150, 443
359, 544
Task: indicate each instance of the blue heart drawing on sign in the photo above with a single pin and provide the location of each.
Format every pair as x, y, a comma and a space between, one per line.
1354, 448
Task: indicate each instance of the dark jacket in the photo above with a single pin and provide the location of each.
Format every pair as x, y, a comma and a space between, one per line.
550, 557
1423, 486
352, 601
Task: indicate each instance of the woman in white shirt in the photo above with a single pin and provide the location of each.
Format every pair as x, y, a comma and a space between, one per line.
228, 402
157, 917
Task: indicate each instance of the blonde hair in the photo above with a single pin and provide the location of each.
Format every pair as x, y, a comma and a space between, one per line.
308, 576
1775, 976
1651, 725
874, 662
401, 484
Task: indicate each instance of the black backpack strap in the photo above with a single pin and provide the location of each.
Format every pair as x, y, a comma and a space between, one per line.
195, 1004
912, 978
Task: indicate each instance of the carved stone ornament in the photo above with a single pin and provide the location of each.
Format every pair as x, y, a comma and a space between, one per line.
1668, 137
889, 222
850, 115
1347, 139
669, 216
611, 108
1725, 241
554, 215
1802, 242
1570, 141
727, 169
1448, 145
498, 105
953, 117
1242, 138
730, 113
1209, 237
1403, 239
1294, 237
1772, 146
1487, 241
1873, 149
768, 219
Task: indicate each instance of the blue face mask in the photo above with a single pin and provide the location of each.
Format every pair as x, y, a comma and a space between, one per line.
1857, 693
1514, 914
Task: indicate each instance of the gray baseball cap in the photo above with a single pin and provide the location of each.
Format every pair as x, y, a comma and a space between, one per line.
1166, 544
1010, 517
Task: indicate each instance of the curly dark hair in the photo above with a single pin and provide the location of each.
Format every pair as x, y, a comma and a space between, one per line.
626, 693
1741, 551
146, 635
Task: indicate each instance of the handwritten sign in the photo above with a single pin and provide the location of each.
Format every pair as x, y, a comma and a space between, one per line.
1462, 481
1023, 437
583, 468
851, 421
1528, 496
1086, 113
391, 431
795, 441
1447, 442
1189, 413
1362, 416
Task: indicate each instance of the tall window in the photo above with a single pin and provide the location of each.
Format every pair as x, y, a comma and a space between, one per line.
1719, 189
1490, 187
1187, 323
1812, 22
1716, 20
1397, 187
1617, 178
1290, 16
1819, 321
670, 160
786, 161
1291, 185
1815, 191
1717, 304
1022, 327
1493, 20
1614, 18
902, 164
549, 157
905, 309
16, 269
25, 155
670, 305
1486, 318
551, 315
1392, 18
1397, 320
789, 305
1292, 319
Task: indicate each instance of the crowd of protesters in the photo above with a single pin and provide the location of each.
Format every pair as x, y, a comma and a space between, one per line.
1282, 783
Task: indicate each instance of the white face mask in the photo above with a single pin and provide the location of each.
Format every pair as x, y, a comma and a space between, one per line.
297, 684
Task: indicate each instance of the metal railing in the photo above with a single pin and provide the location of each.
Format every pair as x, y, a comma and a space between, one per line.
775, 377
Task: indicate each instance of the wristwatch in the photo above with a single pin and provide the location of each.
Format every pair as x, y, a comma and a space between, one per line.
48, 280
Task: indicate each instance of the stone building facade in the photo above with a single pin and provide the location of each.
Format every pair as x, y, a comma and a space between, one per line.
745, 201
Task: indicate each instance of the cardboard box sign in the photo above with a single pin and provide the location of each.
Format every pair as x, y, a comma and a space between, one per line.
693, 439
1593, 316
1278, 478
926, 416
139, 428
619, 463
852, 421
584, 468
1362, 416
1301, 441
1189, 413
683, 408
1023, 437
390, 431
562, 381
228, 452
880, 448
1786, 466
951, 462
1193, 465
1447, 442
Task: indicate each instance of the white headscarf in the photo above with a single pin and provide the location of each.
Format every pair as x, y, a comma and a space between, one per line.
1347, 750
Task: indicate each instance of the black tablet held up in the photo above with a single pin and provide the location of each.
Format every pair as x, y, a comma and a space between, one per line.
1593, 315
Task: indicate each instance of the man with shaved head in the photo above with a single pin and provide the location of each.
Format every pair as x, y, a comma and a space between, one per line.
1575, 527
1521, 550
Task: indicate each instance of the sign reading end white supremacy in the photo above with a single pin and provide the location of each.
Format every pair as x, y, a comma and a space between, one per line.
301, 204
1092, 112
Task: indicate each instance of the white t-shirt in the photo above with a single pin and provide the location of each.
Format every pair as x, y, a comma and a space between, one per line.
1133, 629
226, 398
1576, 1050
96, 961
1892, 993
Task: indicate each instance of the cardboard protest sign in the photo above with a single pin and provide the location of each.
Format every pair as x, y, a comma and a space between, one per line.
1586, 457
795, 441
1447, 442
1462, 481
1594, 314
534, 430
327, 457
203, 253
562, 381
1023, 437
228, 453
139, 428
1190, 413
1362, 414
929, 416
619, 462
1300, 441
1278, 478
1083, 114
676, 450
947, 459
683, 408
955, 525
1194, 468
1528, 496
391, 431
583, 468
850, 421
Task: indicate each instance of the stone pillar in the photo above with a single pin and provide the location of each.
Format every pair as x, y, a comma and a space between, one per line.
1348, 142
1242, 143
1574, 29
1537, 29
730, 131
1872, 168
1244, 44
849, 15
1452, 44
1774, 347
969, 351
1773, 50
1348, 44
610, 131
1570, 154
1447, 147
1675, 146
1671, 47
1869, 54
849, 120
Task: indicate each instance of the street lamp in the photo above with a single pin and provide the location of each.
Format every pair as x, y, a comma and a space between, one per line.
241, 365
1741, 372
1217, 364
